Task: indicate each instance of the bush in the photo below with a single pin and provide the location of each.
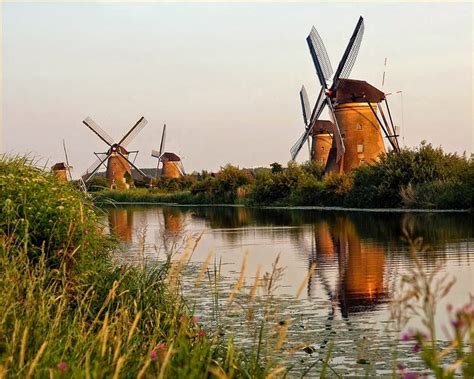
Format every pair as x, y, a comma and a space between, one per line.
385, 183
46, 214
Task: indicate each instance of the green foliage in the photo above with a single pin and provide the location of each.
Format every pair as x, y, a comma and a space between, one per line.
174, 184
425, 177
276, 167
434, 176
46, 214
97, 183
61, 318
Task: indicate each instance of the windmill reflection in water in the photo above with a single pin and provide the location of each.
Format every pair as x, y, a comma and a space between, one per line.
360, 283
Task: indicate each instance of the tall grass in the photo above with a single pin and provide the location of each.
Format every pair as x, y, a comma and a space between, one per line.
67, 311
421, 290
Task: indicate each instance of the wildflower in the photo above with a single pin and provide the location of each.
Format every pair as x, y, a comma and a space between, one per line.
194, 320
416, 348
161, 346
457, 324
153, 355
201, 333
411, 375
401, 366
62, 366
407, 336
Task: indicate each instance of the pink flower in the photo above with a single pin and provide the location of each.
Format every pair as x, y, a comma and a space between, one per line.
411, 375
62, 366
201, 333
153, 355
161, 346
194, 320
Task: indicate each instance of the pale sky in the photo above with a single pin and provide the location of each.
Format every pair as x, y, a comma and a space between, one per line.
224, 77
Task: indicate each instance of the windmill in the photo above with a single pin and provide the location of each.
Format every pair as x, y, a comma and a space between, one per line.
62, 170
321, 138
353, 105
172, 166
118, 166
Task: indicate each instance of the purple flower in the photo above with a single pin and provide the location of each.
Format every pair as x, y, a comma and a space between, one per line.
411, 375
62, 366
416, 348
408, 335
153, 355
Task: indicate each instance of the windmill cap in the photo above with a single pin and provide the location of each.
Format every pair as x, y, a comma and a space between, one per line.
354, 91
170, 157
59, 166
323, 127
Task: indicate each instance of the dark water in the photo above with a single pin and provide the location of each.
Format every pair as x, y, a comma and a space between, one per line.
359, 256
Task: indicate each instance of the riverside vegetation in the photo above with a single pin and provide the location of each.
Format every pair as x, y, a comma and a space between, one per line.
69, 310
424, 177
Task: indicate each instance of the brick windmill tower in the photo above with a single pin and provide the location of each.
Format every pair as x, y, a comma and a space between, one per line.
172, 166
119, 166
355, 106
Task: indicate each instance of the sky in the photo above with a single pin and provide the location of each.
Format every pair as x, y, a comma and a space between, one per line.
223, 77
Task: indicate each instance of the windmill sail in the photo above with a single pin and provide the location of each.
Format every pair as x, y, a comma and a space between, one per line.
320, 56
350, 54
317, 110
67, 161
98, 131
127, 138
306, 108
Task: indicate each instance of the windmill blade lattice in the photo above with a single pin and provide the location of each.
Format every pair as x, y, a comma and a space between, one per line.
306, 108
320, 56
350, 54
318, 109
163, 137
67, 161
98, 131
91, 171
135, 129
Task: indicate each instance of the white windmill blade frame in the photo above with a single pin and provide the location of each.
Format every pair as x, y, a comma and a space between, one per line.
163, 140
347, 61
305, 107
101, 133
132, 133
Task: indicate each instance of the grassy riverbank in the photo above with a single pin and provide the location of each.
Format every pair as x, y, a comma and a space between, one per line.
424, 178
67, 310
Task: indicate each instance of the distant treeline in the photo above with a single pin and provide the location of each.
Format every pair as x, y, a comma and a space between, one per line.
424, 177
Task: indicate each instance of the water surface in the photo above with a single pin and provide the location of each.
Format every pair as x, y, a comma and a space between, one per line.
358, 259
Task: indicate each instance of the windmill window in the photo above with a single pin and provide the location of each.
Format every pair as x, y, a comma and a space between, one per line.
360, 148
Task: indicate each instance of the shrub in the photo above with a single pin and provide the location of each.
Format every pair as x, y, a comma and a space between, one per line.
46, 214
385, 183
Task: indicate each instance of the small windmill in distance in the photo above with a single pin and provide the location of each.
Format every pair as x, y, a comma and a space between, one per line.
62, 170
172, 166
321, 138
119, 166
